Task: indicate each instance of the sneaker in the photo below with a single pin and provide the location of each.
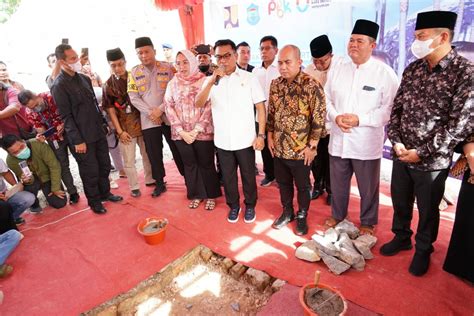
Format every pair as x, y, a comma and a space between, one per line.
395, 246
73, 198
113, 184
19, 221
136, 193
266, 181
233, 216
249, 215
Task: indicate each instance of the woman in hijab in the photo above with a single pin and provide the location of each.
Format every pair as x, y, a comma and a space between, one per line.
193, 131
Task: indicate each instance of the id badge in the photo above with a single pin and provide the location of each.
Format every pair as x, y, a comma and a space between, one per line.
55, 144
128, 109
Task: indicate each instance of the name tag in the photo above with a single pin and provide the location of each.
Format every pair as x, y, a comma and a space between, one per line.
368, 88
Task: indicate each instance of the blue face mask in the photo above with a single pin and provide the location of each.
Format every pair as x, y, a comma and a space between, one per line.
24, 154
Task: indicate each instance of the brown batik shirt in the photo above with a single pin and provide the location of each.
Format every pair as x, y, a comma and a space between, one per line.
296, 113
115, 96
433, 110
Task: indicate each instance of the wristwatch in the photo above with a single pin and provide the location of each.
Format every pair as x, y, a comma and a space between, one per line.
263, 136
312, 147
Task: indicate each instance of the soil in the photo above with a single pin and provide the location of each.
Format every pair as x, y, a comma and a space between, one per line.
324, 302
154, 226
234, 296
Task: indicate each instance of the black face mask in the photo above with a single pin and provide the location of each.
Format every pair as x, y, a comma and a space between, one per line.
204, 68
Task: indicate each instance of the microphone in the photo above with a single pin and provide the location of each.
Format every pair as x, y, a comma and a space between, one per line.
219, 77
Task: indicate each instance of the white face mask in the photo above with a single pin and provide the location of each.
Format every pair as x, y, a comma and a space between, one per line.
421, 49
76, 67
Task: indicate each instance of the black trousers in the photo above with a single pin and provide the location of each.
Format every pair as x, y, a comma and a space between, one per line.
6, 217
153, 138
62, 154
428, 188
53, 200
200, 173
268, 166
244, 159
288, 172
320, 166
94, 169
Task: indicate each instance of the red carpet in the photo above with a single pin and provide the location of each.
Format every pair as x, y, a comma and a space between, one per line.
79, 259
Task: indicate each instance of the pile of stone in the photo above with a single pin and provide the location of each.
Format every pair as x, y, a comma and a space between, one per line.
340, 247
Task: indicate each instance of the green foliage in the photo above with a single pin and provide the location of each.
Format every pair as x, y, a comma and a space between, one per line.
7, 8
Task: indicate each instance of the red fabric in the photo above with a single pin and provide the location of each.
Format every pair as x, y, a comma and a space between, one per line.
191, 14
78, 262
192, 22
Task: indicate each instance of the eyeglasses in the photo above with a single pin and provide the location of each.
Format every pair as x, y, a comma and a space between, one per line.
223, 57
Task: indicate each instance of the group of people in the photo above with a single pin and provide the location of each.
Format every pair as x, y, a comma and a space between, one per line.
328, 118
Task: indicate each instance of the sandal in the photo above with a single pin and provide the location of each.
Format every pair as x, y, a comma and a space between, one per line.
194, 203
331, 222
367, 230
210, 204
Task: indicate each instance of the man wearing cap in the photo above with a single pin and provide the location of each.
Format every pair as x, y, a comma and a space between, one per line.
168, 52
359, 96
432, 113
147, 84
323, 62
83, 123
126, 120
265, 73
203, 55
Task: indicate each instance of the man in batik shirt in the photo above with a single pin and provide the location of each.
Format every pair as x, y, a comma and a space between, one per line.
432, 113
296, 112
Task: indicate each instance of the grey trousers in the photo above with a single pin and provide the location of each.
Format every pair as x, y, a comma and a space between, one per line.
367, 174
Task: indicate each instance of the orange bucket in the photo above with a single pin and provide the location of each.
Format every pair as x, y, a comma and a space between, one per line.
308, 311
153, 237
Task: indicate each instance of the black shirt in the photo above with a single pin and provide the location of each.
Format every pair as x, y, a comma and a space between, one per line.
77, 105
249, 68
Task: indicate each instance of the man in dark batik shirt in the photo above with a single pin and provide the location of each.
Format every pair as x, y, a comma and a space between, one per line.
432, 112
296, 112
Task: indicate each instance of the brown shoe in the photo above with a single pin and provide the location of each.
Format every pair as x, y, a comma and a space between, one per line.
331, 222
367, 230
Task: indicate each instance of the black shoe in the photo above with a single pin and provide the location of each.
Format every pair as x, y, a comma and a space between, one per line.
249, 215
267, 181
316, 193
233, 216
160, 188
420, 264
19, 221
112, 198
301, 224
73, 198
98, 209
286, 217
136, 193
395, 246
150, 184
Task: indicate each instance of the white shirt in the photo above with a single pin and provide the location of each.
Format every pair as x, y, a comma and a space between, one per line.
322, 76
368, 91
265, 77
232, 104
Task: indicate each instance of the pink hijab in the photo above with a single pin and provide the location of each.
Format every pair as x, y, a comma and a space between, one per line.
194, 73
